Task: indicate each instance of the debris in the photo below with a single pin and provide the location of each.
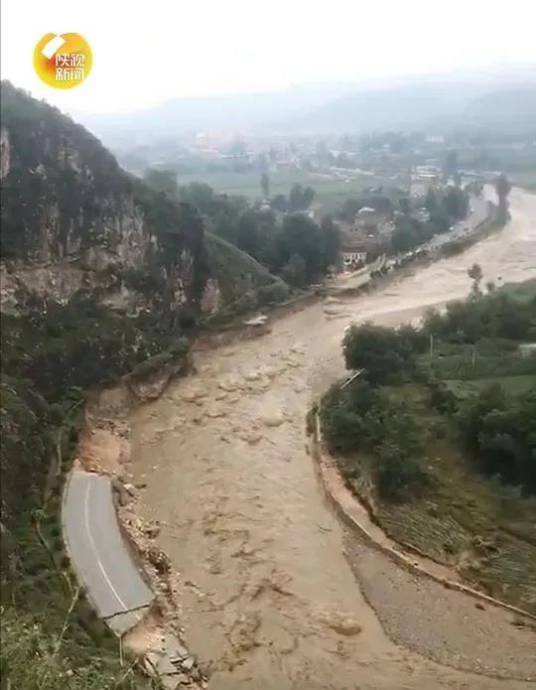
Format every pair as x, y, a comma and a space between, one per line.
251, 438
152, 531
257, 321
272, 419
159, 559
188, 663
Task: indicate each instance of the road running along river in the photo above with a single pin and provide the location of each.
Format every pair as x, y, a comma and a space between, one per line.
269, 594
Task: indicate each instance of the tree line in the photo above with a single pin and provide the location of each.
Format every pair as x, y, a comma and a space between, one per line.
495, 428
293, 246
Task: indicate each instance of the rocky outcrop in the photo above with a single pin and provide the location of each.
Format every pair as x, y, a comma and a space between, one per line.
4, 153
73, 220
98, 274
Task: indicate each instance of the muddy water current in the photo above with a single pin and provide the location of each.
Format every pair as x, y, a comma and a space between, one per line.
271, 590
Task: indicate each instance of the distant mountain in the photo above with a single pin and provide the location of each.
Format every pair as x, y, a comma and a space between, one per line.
405, 107
505, 109
439, 105
237, 112
502, 98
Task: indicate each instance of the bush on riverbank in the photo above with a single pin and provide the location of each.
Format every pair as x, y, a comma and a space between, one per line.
361, 418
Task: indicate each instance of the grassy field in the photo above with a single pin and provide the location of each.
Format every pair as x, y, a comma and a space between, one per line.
512, 384
330, 192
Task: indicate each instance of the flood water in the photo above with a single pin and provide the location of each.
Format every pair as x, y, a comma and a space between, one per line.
268, 598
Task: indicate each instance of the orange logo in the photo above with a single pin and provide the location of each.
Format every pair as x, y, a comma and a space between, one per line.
63, 60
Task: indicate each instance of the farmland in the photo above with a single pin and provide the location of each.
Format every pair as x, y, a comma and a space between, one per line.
432, 438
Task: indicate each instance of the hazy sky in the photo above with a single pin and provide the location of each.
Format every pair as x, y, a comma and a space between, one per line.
147, 51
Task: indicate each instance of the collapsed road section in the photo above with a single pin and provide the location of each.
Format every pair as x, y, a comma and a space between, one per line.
99, 553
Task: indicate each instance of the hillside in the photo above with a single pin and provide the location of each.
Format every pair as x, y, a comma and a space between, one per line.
99, 274
433, 106
97, 268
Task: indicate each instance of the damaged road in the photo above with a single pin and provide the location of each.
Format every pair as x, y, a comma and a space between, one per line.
99, 553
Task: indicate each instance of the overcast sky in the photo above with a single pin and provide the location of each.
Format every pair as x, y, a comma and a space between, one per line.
147, 51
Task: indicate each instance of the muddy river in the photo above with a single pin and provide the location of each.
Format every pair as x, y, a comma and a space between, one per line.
271, 597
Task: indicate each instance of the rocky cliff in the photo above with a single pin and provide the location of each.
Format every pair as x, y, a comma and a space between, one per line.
73, 220
98, 273
100, 276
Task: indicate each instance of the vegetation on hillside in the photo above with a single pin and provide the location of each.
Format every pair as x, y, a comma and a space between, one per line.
64, 195
293, 246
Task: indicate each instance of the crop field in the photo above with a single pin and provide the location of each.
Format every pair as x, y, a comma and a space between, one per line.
331, 191
482, 528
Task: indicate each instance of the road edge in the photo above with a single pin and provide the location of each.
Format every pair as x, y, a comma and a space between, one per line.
128, 548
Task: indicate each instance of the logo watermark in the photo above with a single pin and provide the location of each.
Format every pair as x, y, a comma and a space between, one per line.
63, 61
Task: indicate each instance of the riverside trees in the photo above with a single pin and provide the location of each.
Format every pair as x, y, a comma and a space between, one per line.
495, 427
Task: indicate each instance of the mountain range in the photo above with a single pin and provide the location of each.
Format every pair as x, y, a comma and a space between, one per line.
502, 99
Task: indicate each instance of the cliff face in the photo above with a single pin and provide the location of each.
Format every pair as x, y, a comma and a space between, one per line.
73, 220
98, 274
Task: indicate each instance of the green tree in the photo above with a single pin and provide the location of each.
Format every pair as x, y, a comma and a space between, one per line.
163, 181
300, 198
500, 433
295, 271
302, 236
265, 185
431, 201
383, 352
503, 188
406, 235
331, 240
476, 275
456, 203
280, 203
398, 474
405, 206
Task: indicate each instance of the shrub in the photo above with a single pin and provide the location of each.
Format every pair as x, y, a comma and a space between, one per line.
383, 352
273, 294
398, 476
500, 432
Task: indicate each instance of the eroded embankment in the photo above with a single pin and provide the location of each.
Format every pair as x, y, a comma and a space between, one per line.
268, 596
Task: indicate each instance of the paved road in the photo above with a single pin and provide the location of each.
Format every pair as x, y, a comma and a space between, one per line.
100, 555
464, 227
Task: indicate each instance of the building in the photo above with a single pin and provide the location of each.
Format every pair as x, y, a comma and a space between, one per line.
353, 251
353, 256
424, 177
367, 218
527, 349
422, 215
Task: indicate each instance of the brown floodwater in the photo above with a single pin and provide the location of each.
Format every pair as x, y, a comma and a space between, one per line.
269, 600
